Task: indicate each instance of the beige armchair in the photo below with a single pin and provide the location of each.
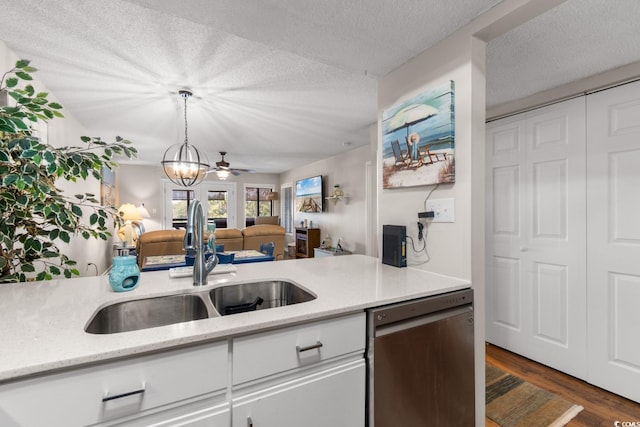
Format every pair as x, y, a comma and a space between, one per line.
255, 235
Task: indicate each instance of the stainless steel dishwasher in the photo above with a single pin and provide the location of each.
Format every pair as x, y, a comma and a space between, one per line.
421, 362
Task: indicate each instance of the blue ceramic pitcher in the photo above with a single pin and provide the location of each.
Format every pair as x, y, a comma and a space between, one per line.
124, 274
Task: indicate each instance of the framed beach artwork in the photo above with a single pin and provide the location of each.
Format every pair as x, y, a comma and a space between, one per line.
418, 144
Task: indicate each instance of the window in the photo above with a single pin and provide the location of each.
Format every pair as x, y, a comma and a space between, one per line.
218, 202
217, 208
180, 201
286, 207
256, 203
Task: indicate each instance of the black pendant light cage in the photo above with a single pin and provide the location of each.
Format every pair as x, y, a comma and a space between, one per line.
183, 164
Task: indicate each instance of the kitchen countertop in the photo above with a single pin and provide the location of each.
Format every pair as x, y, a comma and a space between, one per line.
42, 323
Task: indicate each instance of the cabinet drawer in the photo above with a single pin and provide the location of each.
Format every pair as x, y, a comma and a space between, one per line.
78, 397
257, 356
334, 397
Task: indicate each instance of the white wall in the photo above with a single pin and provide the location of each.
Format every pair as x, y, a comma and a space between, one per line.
67, 131
346, 219
456, 248
453, 247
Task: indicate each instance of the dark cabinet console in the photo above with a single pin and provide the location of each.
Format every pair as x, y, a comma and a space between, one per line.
306, 240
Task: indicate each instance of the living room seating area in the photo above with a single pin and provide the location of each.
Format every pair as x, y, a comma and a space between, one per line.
170, 242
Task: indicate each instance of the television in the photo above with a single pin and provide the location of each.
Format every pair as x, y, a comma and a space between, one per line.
310, 194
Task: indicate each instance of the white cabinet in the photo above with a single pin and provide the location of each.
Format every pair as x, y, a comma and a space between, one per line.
311, 374
308, 375
332, 397
298, 346
164, 386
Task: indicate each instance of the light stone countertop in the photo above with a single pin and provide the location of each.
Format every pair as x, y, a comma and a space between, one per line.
42, 323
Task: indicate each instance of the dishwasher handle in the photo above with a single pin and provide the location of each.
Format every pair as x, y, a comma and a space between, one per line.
424, 320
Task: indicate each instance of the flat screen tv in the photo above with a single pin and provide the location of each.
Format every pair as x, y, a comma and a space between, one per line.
309, 194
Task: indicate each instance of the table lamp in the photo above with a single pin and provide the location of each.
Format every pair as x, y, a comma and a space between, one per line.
128, 212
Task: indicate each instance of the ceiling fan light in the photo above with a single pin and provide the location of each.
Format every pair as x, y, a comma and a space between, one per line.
222, 174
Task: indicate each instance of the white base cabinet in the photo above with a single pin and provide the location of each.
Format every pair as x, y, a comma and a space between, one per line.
309, 375
161, 386
333, 397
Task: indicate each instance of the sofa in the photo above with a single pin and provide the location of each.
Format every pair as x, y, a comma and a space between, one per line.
160, 242
170, 242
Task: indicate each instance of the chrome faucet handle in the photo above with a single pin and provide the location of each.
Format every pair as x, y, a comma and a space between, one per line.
211, 263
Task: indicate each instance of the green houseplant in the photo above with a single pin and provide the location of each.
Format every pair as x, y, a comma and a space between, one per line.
35, 215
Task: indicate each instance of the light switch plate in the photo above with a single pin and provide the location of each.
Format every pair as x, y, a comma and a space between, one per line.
443, 210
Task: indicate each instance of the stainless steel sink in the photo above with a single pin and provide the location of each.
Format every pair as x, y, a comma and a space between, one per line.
170, 309
147, 313
242, 297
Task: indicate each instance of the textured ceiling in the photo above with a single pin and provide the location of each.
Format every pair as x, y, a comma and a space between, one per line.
277, 84
282, 83
577, 39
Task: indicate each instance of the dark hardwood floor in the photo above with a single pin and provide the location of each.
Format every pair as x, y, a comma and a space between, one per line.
601, 408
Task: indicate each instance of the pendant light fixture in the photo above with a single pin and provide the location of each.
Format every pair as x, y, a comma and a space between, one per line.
183, 164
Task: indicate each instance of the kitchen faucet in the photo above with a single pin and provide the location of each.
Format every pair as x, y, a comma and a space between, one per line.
194, 240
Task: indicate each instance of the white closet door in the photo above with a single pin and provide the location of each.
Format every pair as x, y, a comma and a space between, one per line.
613, 153
536, 301
506, 148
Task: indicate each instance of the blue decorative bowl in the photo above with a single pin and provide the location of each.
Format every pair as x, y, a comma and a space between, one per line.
124, 275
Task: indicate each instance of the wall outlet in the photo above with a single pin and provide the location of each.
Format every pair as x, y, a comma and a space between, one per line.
443, 210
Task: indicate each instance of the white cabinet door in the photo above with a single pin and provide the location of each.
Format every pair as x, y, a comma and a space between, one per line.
333, 397
613, 188
181, 416
536, 272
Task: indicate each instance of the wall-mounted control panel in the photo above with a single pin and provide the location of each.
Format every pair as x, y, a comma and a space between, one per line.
443, 210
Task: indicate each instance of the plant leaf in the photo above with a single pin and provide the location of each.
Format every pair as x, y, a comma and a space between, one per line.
21, 63
23, 75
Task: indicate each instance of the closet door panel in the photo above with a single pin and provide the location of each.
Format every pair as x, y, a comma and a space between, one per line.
506, 144
613, 161
536, 272
555, 235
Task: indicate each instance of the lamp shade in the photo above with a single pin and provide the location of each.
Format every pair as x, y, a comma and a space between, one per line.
272, 195
143, 211
128, 212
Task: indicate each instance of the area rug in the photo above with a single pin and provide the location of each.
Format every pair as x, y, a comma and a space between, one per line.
512, 402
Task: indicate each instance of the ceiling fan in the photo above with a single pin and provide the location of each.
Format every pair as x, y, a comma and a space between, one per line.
223, 170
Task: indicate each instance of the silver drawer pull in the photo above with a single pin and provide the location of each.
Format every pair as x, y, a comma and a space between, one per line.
249, 422
309, 347
121, 395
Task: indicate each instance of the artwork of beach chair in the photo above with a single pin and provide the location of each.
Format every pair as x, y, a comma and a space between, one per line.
402, 159
428, 157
